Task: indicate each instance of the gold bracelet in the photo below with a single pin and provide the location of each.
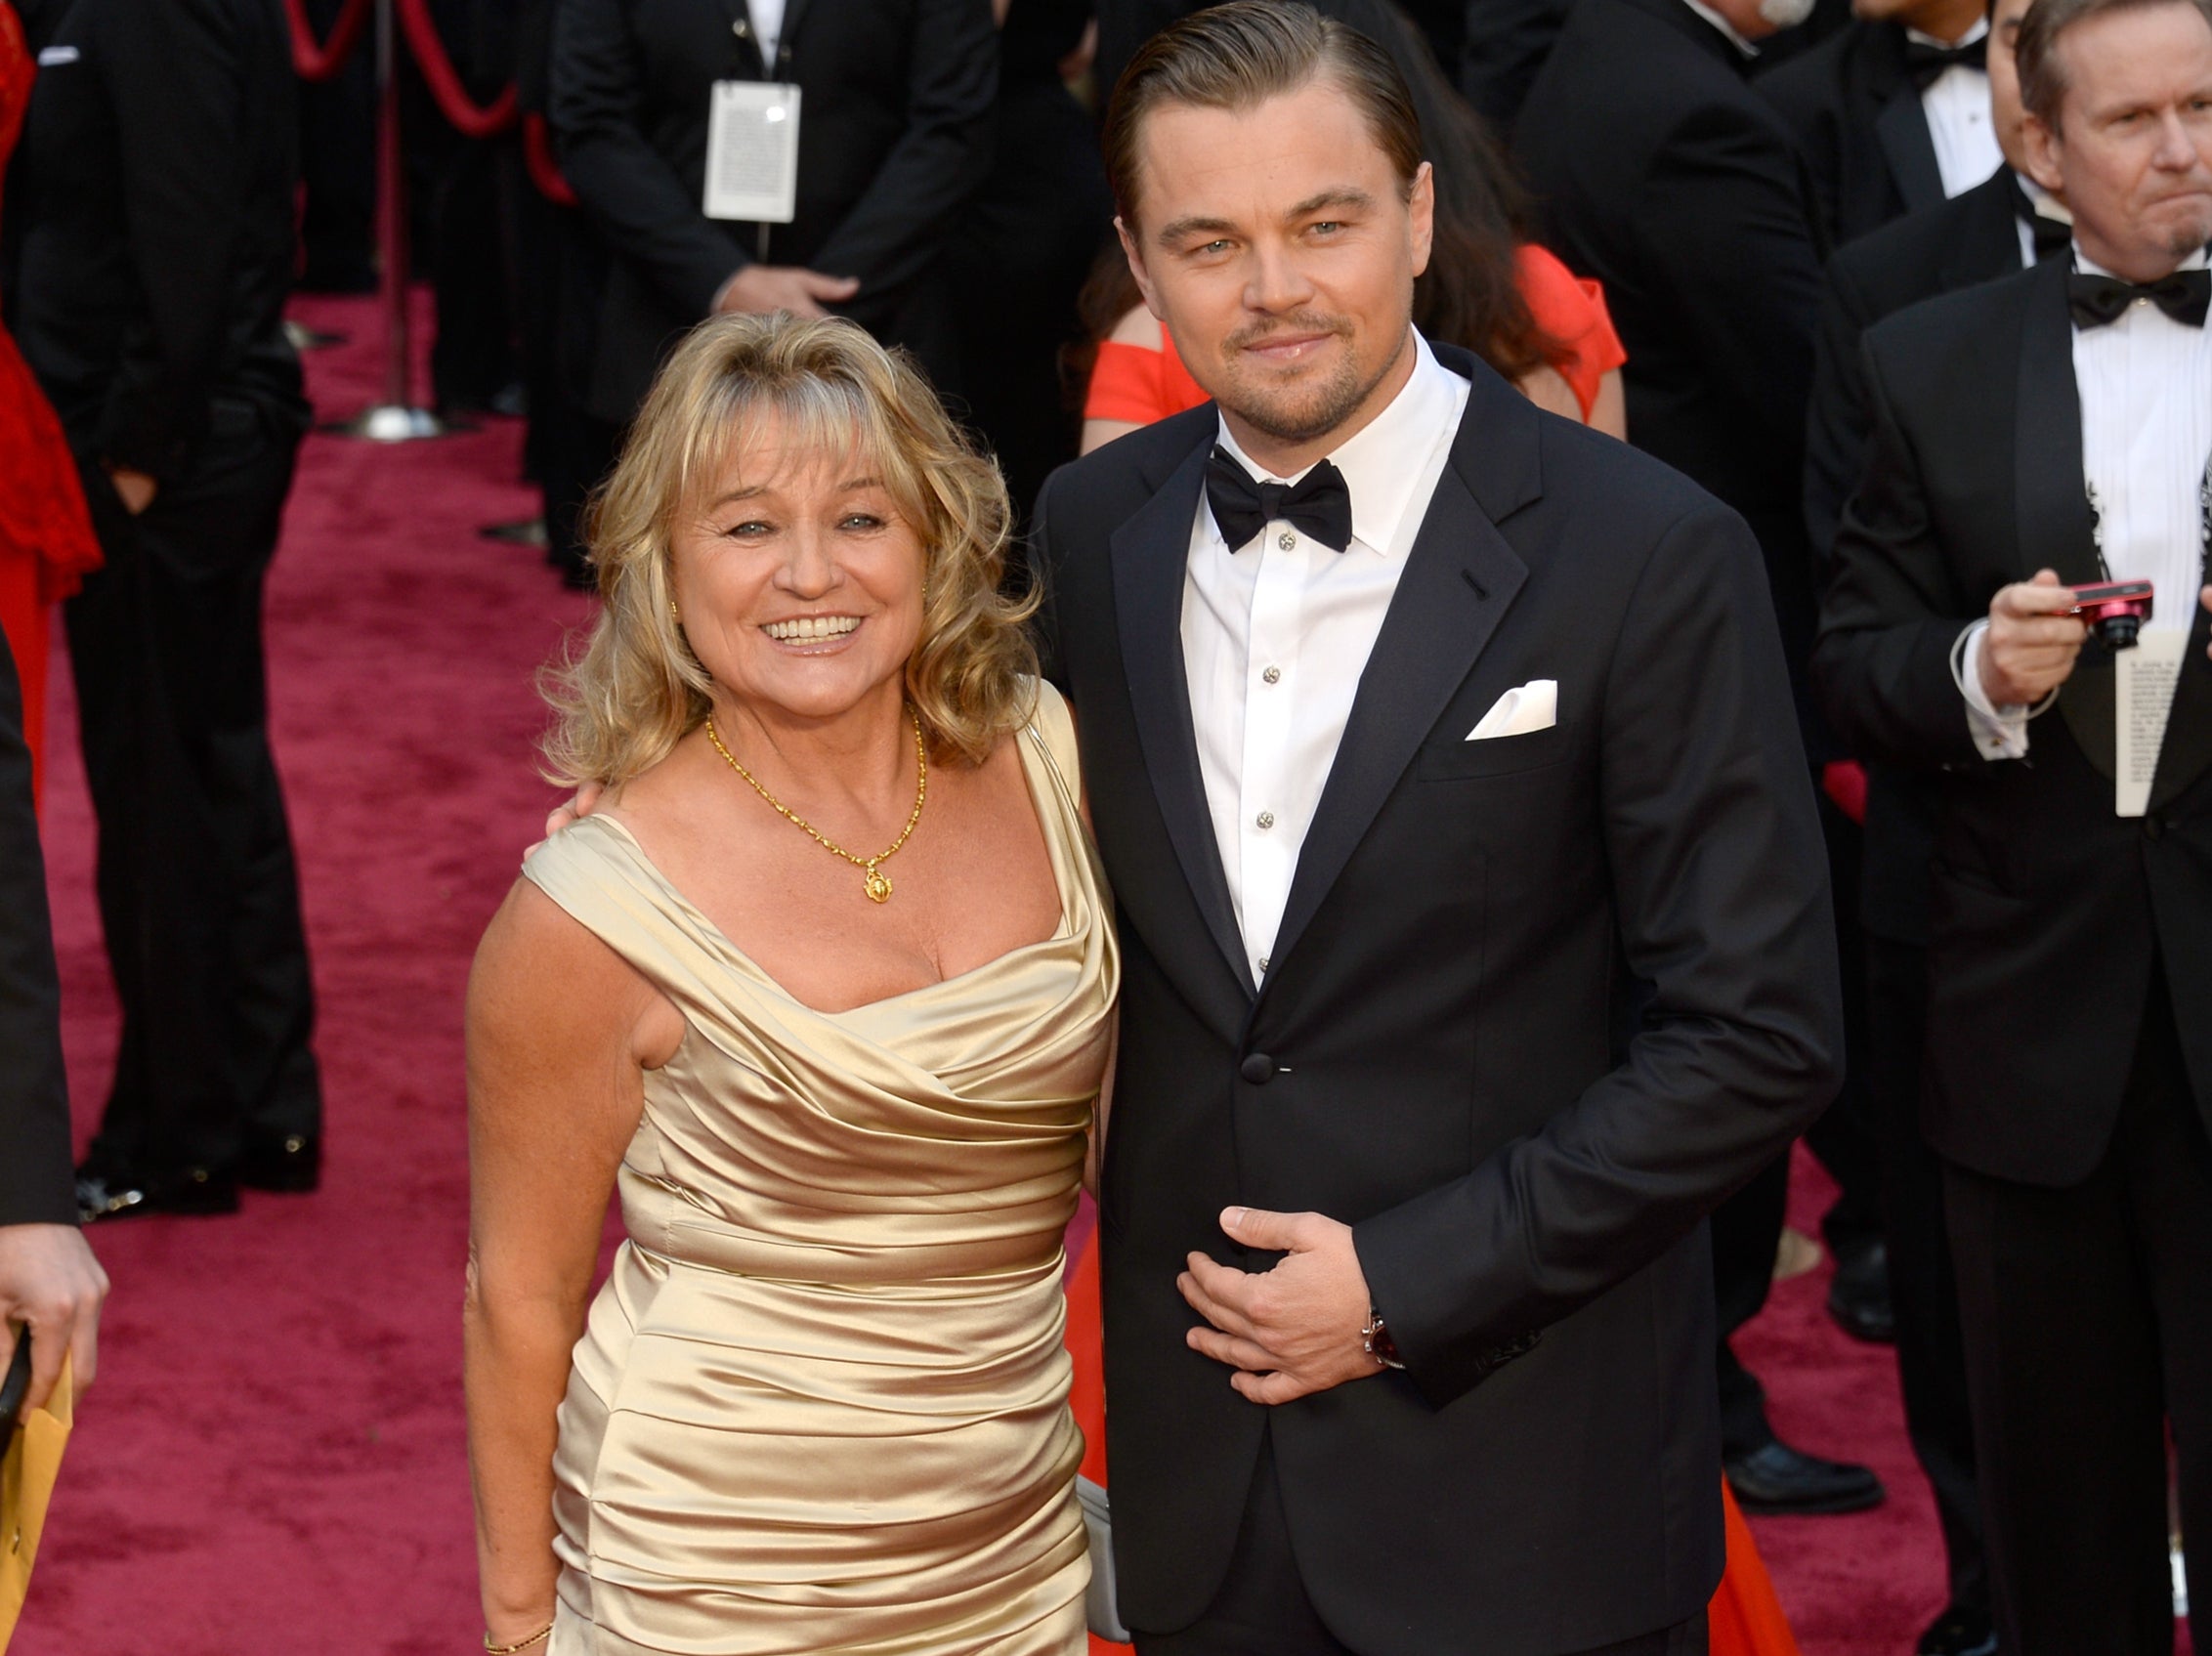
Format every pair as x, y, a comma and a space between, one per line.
492, 1649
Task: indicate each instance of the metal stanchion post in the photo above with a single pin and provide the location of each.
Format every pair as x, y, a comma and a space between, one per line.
397, 418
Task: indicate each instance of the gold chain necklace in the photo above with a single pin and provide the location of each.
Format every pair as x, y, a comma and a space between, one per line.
878, 886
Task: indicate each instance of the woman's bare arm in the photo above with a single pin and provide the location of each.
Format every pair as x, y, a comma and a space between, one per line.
1610, 412
559, 1028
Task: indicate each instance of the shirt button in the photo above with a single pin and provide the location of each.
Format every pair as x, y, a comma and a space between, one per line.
1265, 819
1286, 541
1272, 675
1263, 963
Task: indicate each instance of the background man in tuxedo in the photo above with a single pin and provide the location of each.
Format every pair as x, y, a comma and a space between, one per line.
1438, 1044
1892, 114
1994, 230
155, 187
1669, 179
48, 1279
2069, 942
894, 108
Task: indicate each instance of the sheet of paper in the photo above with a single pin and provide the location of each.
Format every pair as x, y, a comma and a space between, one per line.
753, 152
2143, 696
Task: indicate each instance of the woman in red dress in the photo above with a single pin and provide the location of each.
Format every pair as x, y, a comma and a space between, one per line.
1487, 288
46, 540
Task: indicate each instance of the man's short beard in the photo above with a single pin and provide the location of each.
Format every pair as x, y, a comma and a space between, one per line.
1341, 397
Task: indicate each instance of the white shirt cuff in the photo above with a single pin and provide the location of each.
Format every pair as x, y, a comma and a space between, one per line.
1999, 733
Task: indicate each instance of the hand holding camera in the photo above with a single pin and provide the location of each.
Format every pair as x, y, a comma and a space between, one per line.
2036, 635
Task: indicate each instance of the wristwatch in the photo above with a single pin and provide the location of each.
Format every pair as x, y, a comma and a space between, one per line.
1375, 1340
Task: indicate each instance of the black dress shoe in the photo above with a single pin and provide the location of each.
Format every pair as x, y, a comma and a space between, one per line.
106, 1196
1858, 1296
1779, 1479
1959, 1632
290, 1165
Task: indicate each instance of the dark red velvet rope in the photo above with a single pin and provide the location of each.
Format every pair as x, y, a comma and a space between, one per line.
451, 97
544, 170
319, 62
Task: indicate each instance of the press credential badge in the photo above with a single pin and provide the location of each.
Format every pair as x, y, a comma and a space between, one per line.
2142, 699
753, 152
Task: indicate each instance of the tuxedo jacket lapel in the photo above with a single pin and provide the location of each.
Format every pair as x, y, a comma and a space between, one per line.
1901, 129
1150, 553
1461, 577
2051, 502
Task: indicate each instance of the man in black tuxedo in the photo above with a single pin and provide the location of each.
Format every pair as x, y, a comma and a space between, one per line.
1664, 175
1994, 230
154, 184
1477, 939
49, 1280
2068, 1065
1892, 114
895, 136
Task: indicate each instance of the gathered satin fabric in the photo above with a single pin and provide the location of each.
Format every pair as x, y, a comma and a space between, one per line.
821, 1402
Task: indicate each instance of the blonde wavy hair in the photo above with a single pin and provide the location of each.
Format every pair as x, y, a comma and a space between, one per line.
634, 689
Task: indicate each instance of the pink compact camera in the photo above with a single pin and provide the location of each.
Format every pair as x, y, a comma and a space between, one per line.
2114, 611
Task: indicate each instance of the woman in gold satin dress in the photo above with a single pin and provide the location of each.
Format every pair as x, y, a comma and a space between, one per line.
824, 987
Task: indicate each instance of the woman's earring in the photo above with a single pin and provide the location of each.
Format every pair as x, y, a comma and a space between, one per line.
675, 615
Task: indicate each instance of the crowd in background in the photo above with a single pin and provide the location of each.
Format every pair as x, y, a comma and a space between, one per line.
1672, 220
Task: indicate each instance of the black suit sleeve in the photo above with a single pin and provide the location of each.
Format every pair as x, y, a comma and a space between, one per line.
1881, 663
1044, 625
1507, 43
896, 228
1836, 423
1724, 911
1724, 222
173, 78
34, 1100
595, 93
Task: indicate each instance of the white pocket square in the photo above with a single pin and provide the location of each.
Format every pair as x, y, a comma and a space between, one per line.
1532, 706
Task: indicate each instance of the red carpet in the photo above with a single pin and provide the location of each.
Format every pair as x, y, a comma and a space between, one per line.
273, 1459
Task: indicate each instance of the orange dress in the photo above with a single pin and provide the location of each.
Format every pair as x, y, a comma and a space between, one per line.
1140, 385
46, 539
1744, 1617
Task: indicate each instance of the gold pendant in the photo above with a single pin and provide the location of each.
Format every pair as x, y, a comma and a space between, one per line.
877, 886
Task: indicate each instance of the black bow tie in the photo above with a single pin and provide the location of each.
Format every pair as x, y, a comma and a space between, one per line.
1925, 63
2049, 235
1319, 504
2095, 300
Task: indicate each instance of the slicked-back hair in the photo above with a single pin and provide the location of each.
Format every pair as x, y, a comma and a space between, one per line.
2042, 76
1236, 56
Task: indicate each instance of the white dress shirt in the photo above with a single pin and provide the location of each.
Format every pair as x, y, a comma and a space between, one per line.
1956, 103
1734, 37
2145, 385
1277, 632
768, 28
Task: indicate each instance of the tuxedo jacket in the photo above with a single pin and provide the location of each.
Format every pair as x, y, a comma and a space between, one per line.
2047, 910
895, 122
1858, 120
1958, 242
34, 1099
1660, 172
152, 216
1538, 1004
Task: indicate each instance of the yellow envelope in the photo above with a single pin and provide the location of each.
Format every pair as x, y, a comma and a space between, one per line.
26, 1485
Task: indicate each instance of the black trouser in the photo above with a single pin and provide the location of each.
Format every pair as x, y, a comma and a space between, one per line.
1263, 1608
2088, 1321
1746, 1229
1930, 1359
198, 895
